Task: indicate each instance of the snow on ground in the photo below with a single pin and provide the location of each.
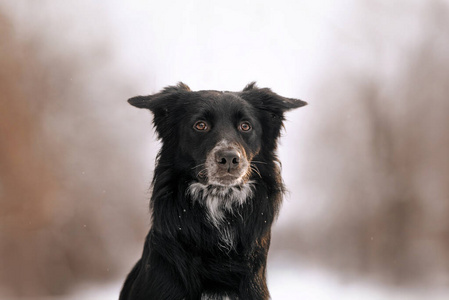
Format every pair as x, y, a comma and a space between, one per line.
292, 282
289, 281
109, 291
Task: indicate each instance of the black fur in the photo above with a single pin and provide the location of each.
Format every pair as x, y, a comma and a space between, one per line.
207, 241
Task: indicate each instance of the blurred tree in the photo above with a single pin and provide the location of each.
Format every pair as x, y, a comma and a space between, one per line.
382, 161
64, 170
27, 183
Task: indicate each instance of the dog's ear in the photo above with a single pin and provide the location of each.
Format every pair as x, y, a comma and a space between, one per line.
266, 99
160, 103
271, 107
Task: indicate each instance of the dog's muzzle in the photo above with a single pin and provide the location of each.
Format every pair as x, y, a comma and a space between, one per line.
226, 164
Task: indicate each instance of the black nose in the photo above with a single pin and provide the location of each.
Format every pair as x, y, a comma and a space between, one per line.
227, 159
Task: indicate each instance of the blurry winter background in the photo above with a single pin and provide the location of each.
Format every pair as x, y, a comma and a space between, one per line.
366, 163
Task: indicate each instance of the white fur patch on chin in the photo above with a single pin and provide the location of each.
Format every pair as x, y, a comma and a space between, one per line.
219, 199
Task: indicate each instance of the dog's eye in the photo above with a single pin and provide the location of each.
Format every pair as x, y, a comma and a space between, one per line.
201, 126
245, 126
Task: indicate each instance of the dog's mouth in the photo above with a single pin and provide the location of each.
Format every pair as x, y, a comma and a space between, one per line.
212, 177
226, 180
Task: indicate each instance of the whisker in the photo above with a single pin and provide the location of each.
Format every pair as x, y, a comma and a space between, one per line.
259, 162
201, 173
198, 166
256, 170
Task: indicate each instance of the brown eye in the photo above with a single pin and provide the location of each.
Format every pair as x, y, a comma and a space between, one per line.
201, 126
245, 126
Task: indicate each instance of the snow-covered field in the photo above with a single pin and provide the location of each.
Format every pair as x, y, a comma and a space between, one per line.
293, 282
289, 281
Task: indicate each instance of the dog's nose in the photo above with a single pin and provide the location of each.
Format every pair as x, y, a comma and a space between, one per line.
227, 159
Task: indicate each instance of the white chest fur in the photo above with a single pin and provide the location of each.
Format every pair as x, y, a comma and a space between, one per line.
219, 199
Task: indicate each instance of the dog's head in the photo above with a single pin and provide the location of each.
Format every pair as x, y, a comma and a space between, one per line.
215, 136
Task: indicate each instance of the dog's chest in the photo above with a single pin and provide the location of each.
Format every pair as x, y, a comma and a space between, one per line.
220, 202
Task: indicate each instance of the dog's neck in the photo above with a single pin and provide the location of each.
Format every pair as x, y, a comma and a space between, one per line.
219, 199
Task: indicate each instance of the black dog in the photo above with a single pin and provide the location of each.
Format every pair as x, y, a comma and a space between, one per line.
216, 191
